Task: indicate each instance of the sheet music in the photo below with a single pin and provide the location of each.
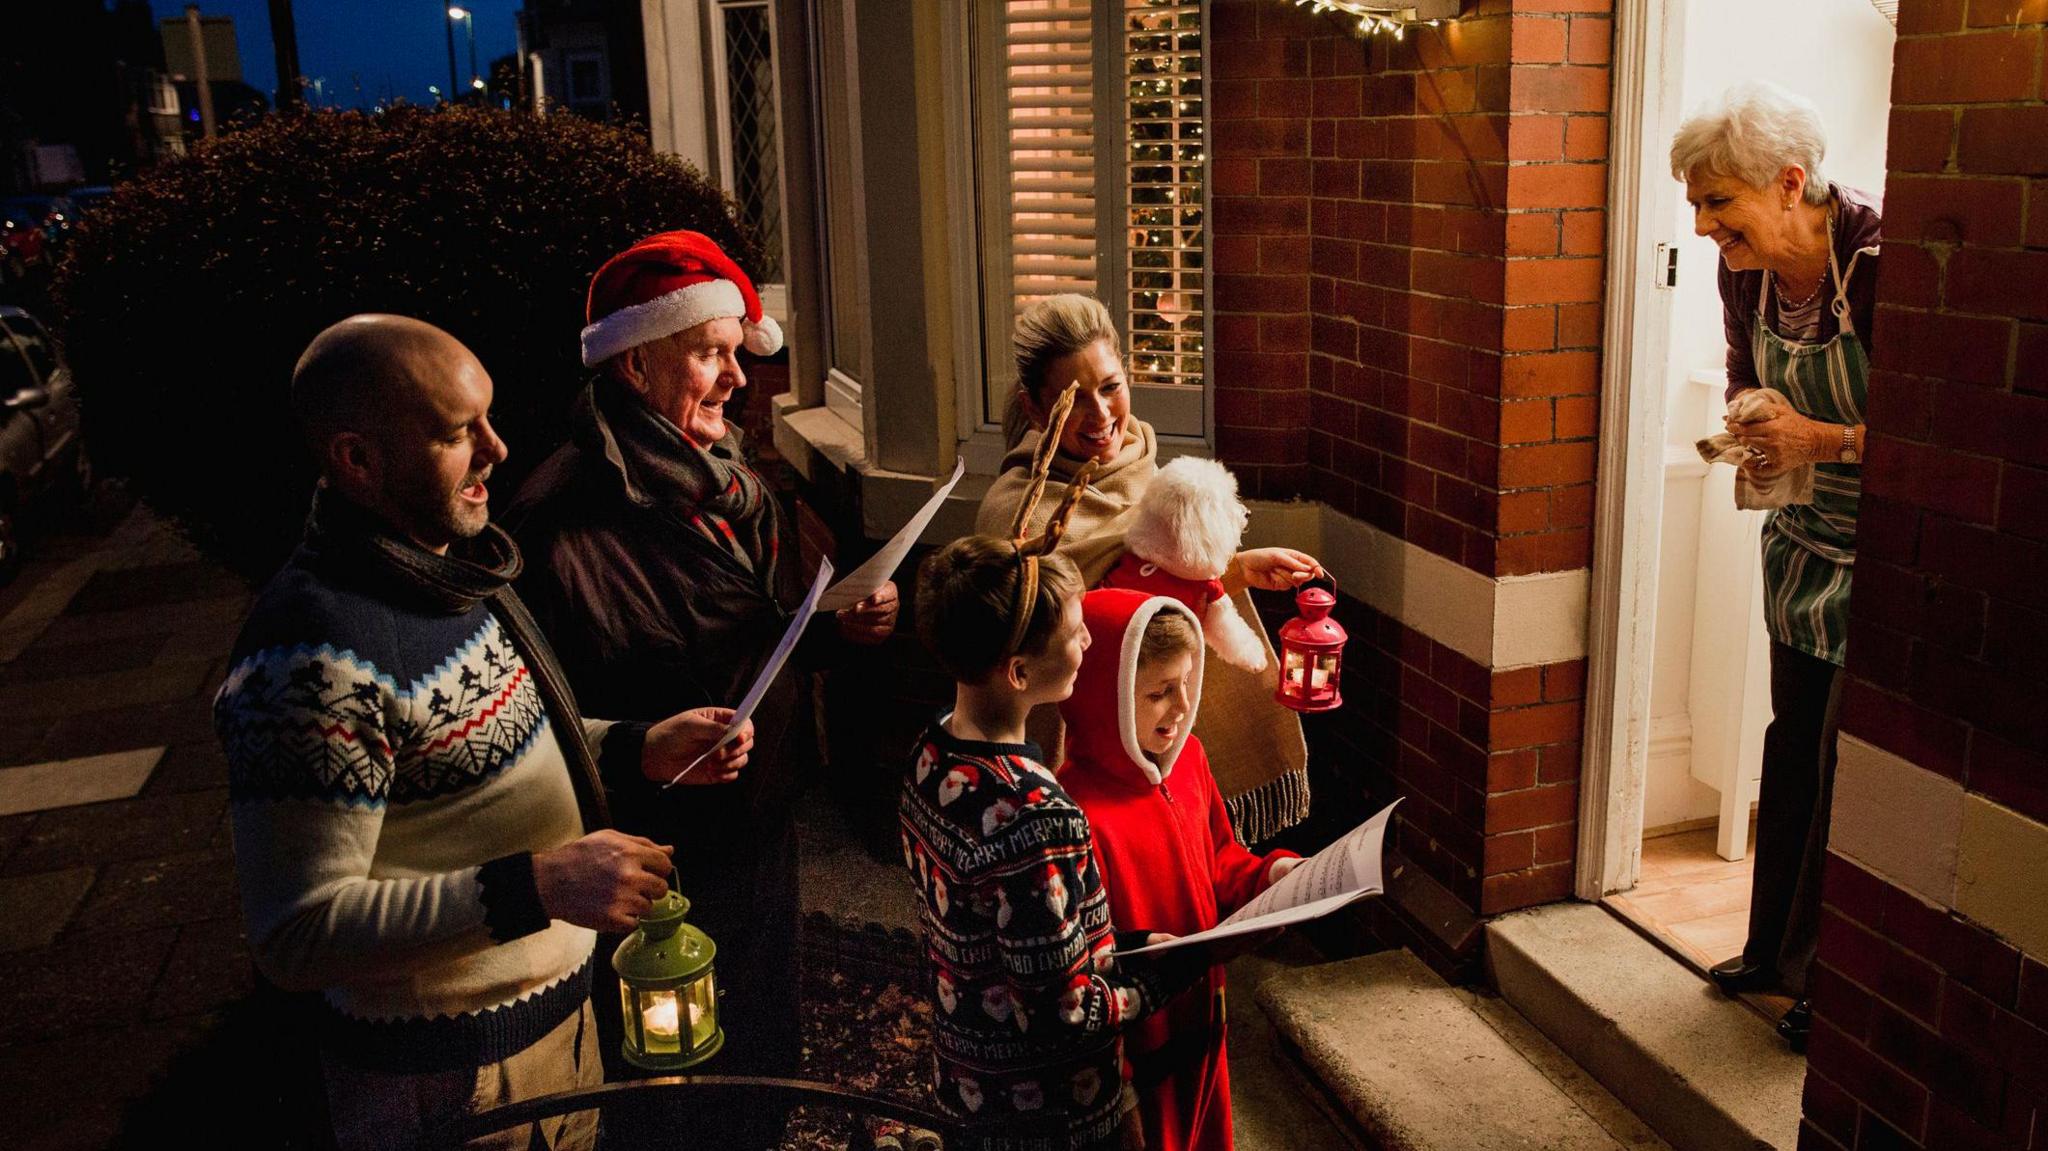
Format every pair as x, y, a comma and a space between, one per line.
776, 659
869, 577
1347, 870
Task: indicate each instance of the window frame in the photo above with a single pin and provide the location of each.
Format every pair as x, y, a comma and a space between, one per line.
984, 380
774, 293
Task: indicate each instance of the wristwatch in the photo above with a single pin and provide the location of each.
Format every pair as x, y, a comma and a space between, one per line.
1851, 450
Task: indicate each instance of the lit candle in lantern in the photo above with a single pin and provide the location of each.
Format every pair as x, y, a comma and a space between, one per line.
660, 1018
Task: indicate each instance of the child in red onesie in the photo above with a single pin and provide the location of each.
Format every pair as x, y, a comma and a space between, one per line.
1163, 841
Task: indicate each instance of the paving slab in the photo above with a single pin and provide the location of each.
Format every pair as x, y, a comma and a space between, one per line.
70, 782
192, 620
1416, 1067
137, 893
80, 983
209, 967
35, 908
1706, 1072
141, 725
115, 588
189, 767
44, 661
150, 827
52, 699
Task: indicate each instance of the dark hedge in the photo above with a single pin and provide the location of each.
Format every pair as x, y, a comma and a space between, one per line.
188, 296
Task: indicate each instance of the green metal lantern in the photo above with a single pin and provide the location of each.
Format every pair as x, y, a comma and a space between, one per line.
667, 992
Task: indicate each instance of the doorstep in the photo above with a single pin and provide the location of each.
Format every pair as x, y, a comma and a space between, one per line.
1419, 1065
1707, 1072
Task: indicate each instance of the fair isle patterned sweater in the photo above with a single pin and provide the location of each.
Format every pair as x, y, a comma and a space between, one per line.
1030, 1000
391, 772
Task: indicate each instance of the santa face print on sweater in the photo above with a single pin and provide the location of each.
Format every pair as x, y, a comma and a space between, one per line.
1030, 1000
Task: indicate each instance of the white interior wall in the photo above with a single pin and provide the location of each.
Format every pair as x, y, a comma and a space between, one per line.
1837, 53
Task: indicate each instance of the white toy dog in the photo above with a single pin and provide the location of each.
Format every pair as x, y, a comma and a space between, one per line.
1179, 541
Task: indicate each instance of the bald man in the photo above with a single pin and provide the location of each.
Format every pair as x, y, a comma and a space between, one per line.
411, 785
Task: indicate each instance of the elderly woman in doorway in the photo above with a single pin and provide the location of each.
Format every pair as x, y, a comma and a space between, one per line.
1798, 284
1254, 744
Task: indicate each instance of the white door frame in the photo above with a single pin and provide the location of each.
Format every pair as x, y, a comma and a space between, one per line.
1621, 633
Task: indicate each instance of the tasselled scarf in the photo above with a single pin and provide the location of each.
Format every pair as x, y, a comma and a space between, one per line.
354, 543
711, 489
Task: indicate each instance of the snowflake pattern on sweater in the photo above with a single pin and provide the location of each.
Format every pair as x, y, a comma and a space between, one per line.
318, 722
1019, 948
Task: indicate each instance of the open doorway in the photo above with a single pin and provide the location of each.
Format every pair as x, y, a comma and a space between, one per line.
1679, 707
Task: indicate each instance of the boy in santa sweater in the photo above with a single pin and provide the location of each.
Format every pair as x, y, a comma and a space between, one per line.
1163, 842
1030, 1000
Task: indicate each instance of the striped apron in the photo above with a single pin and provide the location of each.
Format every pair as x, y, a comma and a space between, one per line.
1810, 549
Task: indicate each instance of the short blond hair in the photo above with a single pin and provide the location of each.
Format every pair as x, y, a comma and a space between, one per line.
1752, 132
966, 594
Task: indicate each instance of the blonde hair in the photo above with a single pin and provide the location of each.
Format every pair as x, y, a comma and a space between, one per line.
966, 592
1167, 634
1048, 329
1753, 132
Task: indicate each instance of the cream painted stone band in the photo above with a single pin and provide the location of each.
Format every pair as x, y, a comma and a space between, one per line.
1952, 848
1500, 623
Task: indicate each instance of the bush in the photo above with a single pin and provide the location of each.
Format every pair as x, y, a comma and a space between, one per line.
188, 296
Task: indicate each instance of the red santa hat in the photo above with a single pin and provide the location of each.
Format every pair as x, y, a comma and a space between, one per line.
668, 283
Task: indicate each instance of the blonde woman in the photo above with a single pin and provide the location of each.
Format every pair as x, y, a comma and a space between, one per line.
1255, 743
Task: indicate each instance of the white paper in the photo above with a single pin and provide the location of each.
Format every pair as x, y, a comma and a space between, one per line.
1347, 870
868, 578
773, 668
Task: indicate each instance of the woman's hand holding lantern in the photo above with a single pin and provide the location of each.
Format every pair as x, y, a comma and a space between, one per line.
1272, 569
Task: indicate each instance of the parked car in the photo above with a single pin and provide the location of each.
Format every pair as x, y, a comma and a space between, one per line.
40, 450
55, 216
21, 231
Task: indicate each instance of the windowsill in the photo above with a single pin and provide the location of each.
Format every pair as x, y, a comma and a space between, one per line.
828, 452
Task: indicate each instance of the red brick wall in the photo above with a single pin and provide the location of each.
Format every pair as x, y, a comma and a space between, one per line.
1407, 240
1487, 762
1930, 1031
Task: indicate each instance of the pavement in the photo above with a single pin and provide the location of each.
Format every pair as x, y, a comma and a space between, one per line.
120, 930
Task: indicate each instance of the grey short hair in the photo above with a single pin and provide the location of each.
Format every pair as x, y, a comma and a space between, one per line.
1753, 132
1046, 330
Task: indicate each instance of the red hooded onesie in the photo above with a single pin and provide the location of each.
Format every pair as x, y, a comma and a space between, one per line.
1169, 859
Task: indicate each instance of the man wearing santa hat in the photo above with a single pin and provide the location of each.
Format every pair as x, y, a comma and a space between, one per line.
657, 565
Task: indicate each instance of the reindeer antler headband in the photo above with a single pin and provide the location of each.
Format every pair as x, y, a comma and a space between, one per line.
1029, 549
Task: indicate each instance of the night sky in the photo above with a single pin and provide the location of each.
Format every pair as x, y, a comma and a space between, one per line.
365, 50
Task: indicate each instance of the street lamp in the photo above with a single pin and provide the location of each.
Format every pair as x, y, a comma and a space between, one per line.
468, 18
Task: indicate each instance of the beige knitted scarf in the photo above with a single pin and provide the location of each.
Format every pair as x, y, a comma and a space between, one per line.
1256, 750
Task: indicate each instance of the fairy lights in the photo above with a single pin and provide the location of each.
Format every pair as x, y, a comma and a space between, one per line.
1373, 19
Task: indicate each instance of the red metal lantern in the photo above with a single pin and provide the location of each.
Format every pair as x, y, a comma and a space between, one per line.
1311, 654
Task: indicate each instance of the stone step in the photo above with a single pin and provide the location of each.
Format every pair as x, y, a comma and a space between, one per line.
1705, 1071
1274, 1105
1420, 1065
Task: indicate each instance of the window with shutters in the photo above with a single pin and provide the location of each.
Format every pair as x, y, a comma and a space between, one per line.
1090, 150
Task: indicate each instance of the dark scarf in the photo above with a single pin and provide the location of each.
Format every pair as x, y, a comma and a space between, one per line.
710, 489
350, 541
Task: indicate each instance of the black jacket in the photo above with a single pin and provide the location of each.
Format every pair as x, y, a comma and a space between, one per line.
648, 618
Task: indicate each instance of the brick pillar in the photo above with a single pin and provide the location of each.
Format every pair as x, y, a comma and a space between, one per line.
1931, 995
1430, 214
